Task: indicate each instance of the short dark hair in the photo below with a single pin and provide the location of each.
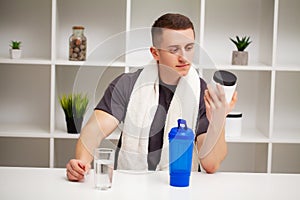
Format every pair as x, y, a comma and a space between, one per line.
170, 21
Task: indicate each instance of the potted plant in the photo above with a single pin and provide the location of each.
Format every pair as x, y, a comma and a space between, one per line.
15, 50
74, 106
240, 57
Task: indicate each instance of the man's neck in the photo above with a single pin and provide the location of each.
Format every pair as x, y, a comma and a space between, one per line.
168, 76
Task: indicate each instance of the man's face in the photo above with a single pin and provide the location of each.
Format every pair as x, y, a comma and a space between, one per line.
176, 50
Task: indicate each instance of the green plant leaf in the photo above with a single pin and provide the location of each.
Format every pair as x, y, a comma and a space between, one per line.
74, 105
241, 43
15, 44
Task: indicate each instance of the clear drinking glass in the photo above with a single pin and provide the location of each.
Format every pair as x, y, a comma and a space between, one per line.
104, 159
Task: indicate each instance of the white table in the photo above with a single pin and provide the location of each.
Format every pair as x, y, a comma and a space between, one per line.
46, 183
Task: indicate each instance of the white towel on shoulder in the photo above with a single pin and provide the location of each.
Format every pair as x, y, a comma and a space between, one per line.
141, 109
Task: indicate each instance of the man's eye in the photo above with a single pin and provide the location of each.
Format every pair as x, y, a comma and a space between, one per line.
173, 50
189, 47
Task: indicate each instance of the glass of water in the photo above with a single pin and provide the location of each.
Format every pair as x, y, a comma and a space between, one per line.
103, 167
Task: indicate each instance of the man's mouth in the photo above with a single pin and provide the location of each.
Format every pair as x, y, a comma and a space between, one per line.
183, 65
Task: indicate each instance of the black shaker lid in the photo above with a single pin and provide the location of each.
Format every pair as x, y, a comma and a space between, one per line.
224, 78
234, 115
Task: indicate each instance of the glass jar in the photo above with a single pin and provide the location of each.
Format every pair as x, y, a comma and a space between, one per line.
77, 44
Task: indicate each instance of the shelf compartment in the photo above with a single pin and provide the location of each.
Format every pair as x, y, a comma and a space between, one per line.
254, 95
285, 158
286, 135
19, 152
90, 63
25, 98
227, 19
248, 136
27, 131
252, 67
246, 157
91, 80
286, 109
22, 25
65, 150
60, 134
143, 15
104, 22
288, 42
23, 61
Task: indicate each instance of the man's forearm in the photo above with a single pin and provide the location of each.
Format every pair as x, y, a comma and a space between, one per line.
213, 152
82, 153
93, 133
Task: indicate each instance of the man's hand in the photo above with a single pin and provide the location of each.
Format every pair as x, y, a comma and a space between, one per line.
212, 146
76, 170
216, 106
90, 138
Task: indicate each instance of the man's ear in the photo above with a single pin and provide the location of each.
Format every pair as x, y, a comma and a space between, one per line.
154, 53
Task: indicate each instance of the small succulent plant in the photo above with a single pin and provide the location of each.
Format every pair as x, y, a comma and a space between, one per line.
241, 44
15, 44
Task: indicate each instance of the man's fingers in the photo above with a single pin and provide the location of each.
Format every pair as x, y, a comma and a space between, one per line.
221, 93
87, 167
234, 98
77, 166
212, 93
233, 101
74, 176
74, 170
215, 99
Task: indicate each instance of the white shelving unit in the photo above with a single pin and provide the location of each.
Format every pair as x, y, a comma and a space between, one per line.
32, 126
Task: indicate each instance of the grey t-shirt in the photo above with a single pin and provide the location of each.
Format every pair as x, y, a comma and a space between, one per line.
115, 102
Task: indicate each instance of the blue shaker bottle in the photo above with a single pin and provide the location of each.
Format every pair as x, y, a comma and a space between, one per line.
181, 142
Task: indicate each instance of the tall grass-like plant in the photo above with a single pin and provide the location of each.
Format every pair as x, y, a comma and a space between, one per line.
74, 106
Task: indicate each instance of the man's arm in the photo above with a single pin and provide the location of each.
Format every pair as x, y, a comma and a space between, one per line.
212, 146
213, 160
99, 126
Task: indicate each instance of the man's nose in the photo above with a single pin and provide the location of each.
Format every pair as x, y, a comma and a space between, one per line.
182, 55
181, 52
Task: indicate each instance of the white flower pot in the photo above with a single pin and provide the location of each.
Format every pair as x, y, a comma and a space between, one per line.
15, 53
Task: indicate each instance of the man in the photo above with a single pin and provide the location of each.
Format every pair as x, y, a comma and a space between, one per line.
150, 100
